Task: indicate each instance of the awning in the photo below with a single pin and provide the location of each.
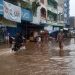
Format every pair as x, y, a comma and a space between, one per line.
1, 7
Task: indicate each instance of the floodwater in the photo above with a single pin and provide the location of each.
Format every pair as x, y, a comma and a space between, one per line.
43, 60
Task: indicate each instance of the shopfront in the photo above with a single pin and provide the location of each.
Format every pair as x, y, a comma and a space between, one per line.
12, 16
9, 16
26, 19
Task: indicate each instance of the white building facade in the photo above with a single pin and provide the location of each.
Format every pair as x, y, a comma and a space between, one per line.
41, 13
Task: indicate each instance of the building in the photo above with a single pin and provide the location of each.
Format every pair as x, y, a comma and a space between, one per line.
40, 16
61, 11
52, 10
13, 14
39, 12
6, 23
10, 21
55, 14
72, 22
66, 13
23, 15
30, 15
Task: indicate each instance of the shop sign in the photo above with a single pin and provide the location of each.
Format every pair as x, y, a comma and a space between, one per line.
1, 7
26, 15
12, 12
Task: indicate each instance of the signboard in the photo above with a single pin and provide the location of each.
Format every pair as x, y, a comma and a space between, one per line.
1, 7
12, 12
26, 15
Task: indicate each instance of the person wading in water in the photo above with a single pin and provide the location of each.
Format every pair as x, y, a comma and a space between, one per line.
60, 39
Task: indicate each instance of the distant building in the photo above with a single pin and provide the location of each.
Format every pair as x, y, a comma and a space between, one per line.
61, 11
72, 22
66, 13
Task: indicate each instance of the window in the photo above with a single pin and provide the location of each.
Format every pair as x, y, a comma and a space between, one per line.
43, 12
42, 1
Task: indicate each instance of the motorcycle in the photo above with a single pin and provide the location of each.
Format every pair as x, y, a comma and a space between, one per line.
17, 46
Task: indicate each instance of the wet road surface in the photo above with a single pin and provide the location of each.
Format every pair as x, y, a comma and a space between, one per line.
45, 60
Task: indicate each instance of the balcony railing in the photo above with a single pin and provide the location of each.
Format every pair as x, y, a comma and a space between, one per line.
56, 1
49, 22
55, 23
52, 9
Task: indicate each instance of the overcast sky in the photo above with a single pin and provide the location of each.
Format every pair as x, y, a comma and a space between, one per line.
72, 7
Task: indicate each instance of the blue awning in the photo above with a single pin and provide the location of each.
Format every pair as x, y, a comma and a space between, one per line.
26, 15
1, 7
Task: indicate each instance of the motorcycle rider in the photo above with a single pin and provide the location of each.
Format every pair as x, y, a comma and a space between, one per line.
18, 41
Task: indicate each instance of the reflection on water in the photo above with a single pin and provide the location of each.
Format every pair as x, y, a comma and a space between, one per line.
72, 41
61, 53
60, 64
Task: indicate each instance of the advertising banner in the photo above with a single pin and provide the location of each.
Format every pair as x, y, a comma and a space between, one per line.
12, 12
26, 15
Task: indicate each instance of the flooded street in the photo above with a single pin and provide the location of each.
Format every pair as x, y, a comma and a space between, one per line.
46, 60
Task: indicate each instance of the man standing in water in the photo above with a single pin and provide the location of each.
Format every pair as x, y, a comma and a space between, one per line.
60, 39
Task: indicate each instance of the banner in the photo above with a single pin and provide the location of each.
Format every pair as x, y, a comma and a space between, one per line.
26, 15
12, 12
